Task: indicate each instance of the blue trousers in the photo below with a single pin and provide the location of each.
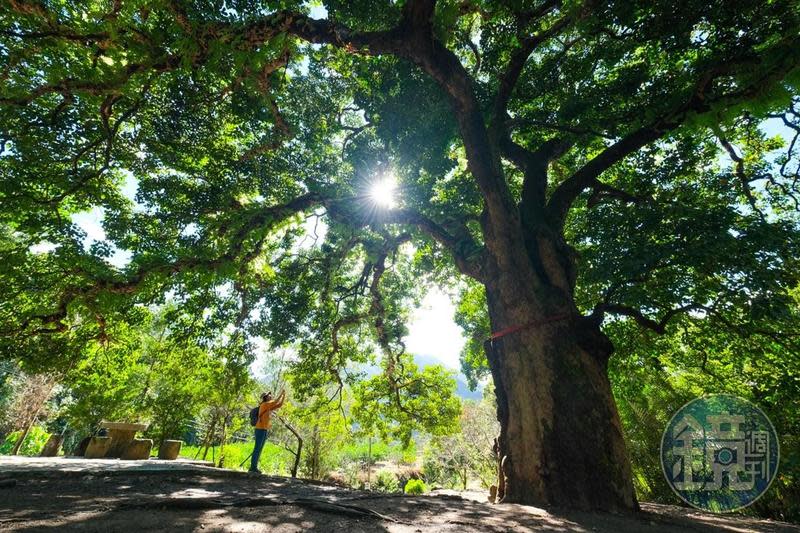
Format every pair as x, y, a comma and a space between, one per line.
261, 439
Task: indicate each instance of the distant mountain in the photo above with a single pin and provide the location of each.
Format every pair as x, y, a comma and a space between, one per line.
462, 389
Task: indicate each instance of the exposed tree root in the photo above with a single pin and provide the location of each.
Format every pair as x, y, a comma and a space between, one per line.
199, 504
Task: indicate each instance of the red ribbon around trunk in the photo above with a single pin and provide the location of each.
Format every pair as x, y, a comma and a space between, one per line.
514, 329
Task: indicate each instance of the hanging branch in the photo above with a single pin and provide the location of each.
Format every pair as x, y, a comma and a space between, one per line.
299, 444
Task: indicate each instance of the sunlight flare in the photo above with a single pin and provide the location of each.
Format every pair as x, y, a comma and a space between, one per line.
383, 192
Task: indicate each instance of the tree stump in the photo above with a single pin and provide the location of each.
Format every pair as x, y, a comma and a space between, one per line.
138, 449
52, 446
169, 449
97, 447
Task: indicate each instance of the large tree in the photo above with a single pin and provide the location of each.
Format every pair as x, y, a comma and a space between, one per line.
568, 158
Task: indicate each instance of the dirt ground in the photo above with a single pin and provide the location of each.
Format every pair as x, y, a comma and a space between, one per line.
75, 495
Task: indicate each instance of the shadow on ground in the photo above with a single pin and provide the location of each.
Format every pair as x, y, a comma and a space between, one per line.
204, 499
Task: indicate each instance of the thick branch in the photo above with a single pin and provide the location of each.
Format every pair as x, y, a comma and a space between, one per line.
659, 326
699, 102
263, 219
565, 194
603, 190
482, 160
467, 254
516, 64
514, 123
533, 165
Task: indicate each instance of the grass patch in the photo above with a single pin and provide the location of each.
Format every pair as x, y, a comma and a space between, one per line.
275, 459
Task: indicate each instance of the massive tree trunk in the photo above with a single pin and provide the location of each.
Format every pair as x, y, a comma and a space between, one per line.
561, 441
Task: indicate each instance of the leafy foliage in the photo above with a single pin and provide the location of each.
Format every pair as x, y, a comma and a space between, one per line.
31, 446
386, 482
415, 486
430, 400
227, 155
455, 460
655, 375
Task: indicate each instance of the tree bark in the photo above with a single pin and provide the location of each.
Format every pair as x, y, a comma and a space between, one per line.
561, 441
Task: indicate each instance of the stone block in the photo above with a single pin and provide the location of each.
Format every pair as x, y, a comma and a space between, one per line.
52, 445
138, 449
80, 449
122, 434
120, 440
170, 449
97, 447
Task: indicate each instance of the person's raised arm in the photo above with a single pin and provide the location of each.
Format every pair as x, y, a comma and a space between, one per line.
281, 398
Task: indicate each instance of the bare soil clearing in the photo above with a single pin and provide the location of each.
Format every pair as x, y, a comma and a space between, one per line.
58, 494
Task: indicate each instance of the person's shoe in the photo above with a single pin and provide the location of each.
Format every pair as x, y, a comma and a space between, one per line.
256, 471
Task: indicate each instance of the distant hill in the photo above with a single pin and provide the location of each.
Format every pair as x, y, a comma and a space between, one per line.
422, 360
462, 389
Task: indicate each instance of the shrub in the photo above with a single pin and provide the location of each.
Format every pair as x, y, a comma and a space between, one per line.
32, 445
416, 486
387, 482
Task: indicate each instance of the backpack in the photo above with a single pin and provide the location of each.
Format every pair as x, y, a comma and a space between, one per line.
254, 416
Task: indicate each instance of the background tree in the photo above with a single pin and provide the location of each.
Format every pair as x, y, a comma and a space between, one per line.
466, 455
180, 382
29, 405
324, 432
564, 155
8, 385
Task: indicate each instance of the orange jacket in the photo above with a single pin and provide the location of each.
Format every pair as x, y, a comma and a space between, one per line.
264, 410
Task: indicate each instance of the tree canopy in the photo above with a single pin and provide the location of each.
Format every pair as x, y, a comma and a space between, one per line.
642, 154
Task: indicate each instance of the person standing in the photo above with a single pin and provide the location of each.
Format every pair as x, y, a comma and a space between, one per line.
264, 424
